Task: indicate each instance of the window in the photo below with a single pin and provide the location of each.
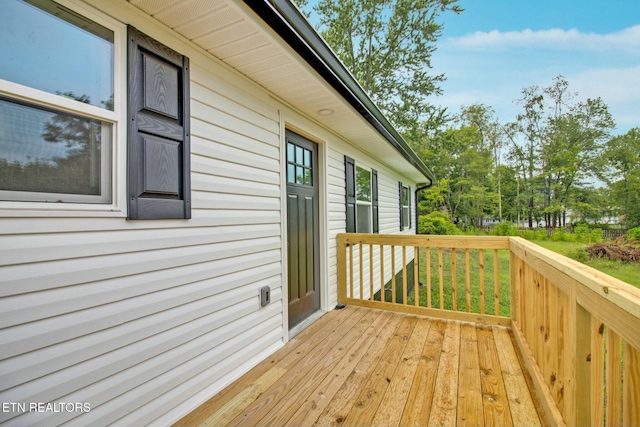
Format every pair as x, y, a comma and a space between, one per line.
57, 110
361, 198
299, 166
405, 209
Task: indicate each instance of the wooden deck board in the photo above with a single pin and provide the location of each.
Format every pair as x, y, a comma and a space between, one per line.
368, 367
494, 395
470, 410
419, 402
390, 410
367, 403
445, 399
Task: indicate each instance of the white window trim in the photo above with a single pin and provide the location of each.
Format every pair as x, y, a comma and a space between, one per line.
407, 208
369, 204
117, 118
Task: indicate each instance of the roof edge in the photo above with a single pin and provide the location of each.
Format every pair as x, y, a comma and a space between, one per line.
289, 23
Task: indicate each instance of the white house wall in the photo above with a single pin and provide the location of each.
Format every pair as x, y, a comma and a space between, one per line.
388, 211
145, 320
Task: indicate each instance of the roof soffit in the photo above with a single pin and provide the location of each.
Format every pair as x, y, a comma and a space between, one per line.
230, 31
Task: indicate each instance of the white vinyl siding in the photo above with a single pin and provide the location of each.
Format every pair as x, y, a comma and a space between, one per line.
388, 214
145, 320
137, 318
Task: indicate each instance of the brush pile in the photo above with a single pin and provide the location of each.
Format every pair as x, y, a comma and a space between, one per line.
618, 250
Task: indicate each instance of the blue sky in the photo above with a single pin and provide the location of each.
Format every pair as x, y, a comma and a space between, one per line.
495, 48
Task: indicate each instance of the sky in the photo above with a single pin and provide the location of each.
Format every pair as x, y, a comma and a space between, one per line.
495, 48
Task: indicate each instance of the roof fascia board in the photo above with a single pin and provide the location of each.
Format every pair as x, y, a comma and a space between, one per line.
289, 23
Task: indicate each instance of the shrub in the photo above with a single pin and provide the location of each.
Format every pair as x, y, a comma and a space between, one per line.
581, 232
634, 234
506, 229
529, 234
579, 254
561, 235
596, 235
436, 223
541, 234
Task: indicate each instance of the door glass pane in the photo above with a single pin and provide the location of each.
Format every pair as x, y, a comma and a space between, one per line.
299, 155
56, 50
291, 173
307, 158
299, 175
291, 153
307, 177
50, 151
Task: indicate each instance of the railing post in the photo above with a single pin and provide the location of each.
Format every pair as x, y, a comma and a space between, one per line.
341, 248
514, 289
579, 387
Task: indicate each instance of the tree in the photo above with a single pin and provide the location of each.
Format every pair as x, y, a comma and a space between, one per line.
387, 46
483, 118
561, 143
463, 164
530, 125
622, 173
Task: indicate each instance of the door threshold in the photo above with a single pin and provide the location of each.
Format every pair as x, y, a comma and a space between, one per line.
305, 323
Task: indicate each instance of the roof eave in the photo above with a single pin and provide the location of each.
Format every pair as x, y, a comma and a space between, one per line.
289, 23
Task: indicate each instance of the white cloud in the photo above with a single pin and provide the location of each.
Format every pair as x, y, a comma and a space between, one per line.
626, 40
619, 84
619, 88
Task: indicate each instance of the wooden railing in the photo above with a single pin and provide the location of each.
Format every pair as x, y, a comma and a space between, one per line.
578, 329
581, 327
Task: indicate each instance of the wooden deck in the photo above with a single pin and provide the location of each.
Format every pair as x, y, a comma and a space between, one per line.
361, 367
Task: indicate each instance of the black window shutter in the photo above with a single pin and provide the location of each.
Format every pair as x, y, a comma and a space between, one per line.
374, 200
409, 202
401, 213
350, 187
158, 133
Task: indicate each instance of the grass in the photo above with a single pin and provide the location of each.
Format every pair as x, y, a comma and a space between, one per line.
627, 272
461, 280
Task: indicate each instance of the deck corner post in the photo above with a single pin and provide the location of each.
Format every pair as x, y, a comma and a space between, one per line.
579, 393
514, 285
341, 248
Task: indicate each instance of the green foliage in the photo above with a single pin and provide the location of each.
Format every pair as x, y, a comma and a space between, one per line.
582, 232
596, 235
540, 234
634, 234
556, 147
579, 254
561, 235
464, 161
436, 223
506, 229
621, 170
387, 46
528, 234
587, 233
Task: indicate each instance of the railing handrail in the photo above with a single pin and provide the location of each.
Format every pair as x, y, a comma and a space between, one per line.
426, 240
608, 289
